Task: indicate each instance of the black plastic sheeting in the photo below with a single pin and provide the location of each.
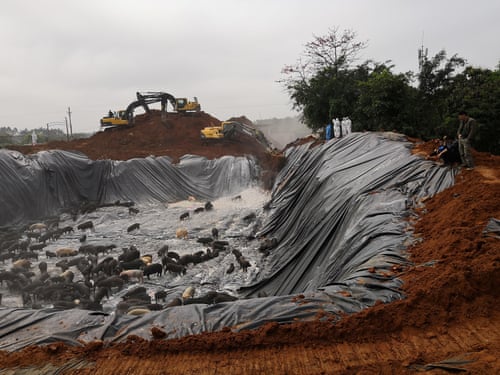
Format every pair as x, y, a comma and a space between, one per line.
43, 184
492, 228
338, 211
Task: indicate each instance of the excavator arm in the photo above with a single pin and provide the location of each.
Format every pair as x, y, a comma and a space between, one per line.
154, 97
144, 99
252, 132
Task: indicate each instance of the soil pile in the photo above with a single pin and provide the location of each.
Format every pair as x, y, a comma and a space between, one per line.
448, 321
178, 135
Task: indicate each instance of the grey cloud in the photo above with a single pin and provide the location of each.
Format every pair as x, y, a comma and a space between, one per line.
94, 55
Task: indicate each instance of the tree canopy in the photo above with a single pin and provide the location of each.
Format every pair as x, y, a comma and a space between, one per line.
325, 83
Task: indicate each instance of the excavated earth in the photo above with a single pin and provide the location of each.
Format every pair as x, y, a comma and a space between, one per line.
448, 322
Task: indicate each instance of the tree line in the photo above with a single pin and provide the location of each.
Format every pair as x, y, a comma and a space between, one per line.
325, 83
13, 136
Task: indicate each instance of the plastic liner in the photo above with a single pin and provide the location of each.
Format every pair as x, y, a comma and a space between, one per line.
44, 184
492, 228
337, 211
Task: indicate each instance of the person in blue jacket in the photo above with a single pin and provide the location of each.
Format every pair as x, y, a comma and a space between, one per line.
447, 152
328, 131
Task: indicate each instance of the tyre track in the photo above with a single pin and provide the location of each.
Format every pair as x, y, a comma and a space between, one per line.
392, 354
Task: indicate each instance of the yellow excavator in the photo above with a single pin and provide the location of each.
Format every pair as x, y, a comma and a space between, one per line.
228, 129
224, 130
113, 119
126, 117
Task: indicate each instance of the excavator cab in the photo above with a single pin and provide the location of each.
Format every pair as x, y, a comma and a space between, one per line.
225, 130
212, 132
184, 105
119, 118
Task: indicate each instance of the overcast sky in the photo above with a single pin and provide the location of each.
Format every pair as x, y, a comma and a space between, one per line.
93, 55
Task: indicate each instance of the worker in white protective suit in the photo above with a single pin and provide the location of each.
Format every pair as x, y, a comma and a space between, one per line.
337, 130
346, 126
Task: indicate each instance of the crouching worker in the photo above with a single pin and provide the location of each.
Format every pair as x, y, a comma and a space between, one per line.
446, 152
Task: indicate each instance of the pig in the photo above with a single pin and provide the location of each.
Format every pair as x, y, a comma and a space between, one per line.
86, 225
153, 269
133, 274
66, 252
175, 268
133, 227
181, 233
188, 293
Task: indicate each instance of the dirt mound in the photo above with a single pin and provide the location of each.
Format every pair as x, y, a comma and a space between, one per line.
450, 311
178, 135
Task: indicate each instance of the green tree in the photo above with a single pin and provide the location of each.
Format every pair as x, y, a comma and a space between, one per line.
477, 91
435, 79
437, 72
383, 101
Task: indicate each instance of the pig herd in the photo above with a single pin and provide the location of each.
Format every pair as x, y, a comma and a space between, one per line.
90, 274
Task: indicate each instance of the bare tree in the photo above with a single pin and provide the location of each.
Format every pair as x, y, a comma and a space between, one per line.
335, 51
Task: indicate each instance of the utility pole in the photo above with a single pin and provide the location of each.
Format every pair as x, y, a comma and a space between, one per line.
70, 125
422, 55
67, 134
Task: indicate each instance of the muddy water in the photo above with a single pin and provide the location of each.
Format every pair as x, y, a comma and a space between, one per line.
236, 217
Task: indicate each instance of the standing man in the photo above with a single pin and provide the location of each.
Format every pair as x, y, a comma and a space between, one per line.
466, 132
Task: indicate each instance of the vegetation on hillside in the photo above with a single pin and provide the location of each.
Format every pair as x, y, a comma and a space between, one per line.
325, 83
14, 136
